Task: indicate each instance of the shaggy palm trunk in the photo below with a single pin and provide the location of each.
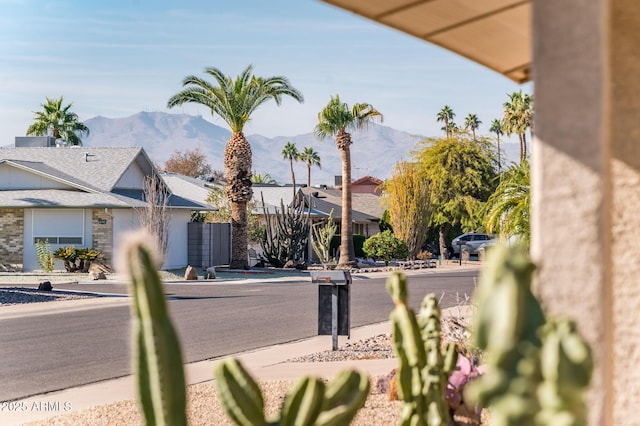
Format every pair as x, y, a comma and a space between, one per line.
308, 175
237, 169
347, 253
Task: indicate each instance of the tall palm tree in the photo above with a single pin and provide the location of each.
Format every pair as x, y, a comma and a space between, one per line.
518, 116
60, 121
337, 119
446, 115
311, 158
472, 122
496, 127
290, 152
234, 101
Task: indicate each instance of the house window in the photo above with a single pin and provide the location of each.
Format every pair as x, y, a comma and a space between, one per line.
59, 240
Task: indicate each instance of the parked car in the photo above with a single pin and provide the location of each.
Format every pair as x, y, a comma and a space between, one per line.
471, 240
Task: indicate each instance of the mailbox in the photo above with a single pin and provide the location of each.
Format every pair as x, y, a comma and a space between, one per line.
334, 303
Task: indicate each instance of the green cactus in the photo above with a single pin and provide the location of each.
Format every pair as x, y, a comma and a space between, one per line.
309, 403
156, 350
424, 367
536, 371
566, 364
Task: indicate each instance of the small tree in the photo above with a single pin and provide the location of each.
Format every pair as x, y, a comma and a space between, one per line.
385, 246
155, 217
321, 238
189, 163
409, 205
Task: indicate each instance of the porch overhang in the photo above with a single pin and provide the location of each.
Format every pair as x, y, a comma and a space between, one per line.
493, 33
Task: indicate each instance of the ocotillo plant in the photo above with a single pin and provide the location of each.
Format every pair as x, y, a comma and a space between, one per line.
424, 366
156, 349
536, 373
309, 402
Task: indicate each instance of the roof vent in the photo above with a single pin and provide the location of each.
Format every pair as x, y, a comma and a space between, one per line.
315, 194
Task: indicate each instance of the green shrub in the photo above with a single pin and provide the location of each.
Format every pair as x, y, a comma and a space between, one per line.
385, 246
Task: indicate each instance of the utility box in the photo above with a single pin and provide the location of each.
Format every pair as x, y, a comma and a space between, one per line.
334, 303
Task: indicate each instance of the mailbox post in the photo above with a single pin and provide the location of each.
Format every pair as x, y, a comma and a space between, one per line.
334, 303
461, 244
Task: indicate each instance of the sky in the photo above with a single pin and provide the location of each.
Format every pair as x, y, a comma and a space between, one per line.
116, 58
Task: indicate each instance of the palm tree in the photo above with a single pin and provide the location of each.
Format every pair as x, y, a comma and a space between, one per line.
508, 208
472, 122
262, 178
496, 127
311, 158
518, 116
446, 115
60, 121
290, 152
234, 101
337, 119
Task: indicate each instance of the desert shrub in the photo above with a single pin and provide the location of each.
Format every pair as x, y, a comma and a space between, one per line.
385, 246
45, 256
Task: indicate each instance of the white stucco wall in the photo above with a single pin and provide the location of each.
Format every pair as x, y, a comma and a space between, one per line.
127, 220
13, 178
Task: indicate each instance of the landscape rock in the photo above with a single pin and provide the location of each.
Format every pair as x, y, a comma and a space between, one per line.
97, 275
190, 273
45, 286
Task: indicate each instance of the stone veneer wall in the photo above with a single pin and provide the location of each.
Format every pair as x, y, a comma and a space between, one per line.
103, 234
11, 238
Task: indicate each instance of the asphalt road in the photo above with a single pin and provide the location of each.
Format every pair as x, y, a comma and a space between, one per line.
43, 353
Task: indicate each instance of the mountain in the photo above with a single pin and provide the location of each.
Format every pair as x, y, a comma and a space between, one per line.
374, 152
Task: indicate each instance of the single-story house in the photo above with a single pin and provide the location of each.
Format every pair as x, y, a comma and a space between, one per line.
81, 196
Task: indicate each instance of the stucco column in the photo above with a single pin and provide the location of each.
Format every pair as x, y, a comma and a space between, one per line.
586, 186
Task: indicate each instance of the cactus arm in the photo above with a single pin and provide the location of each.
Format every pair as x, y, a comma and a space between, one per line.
344, 396
158, 359
303, 403
566, 364
240, 395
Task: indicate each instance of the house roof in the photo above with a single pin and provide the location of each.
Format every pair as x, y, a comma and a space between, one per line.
365, 207
64, 198
89, 177
188, 188
364, 180
494, 33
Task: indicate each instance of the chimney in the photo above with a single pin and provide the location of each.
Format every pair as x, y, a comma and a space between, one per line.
34, 141
338, 181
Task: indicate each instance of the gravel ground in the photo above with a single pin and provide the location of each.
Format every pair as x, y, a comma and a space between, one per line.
204, 409
20, 295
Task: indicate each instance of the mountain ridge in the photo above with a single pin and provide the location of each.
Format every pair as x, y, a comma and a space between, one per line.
161, 134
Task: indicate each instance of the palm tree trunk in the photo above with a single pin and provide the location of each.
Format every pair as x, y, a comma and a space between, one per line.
521, 148
293, 177
499, 164
347, 253
524, 146
239, 254
237, 168
444, 229
308, 175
